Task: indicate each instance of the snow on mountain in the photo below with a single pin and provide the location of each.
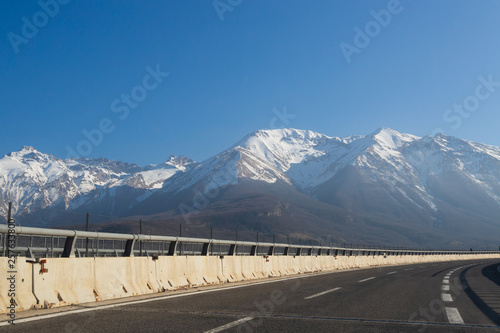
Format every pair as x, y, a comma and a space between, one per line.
479, 163
153, 176
33, 180
303, 155
283, 147
404, 165
227, 168
401, 161
310, 158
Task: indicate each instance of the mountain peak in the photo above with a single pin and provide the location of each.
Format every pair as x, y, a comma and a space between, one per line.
180, 160
28, 148
276, 137
390, 138
25, 151
289, 132
384, 130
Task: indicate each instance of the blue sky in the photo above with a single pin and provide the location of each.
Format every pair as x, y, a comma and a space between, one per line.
227, 78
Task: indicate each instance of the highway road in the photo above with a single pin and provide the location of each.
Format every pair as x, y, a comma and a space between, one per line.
459, 296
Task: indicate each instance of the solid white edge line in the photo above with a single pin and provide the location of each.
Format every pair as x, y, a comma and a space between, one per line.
322, 293
371, 278
454, 316
446, 297
230, 325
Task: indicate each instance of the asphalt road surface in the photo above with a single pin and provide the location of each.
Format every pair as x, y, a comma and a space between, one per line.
459, 296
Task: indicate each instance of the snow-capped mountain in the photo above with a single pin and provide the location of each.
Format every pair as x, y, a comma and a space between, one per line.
310, 159
33, 180
401, 162
228, 168
435, 190
386, 180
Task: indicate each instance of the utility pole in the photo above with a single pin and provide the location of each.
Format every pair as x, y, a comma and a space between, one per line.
140, 233
9, 215
87, 242
180, 235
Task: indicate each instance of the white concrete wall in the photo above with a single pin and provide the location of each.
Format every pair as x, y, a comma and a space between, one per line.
22, 285
79, 280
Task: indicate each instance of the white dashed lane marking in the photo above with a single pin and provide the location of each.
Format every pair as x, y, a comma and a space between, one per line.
322, 293
230, 325
373, 277
454, 316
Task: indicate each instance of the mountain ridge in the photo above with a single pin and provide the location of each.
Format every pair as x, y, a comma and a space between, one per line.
408, 181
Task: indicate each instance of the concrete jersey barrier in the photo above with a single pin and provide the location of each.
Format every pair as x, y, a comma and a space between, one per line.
79, 280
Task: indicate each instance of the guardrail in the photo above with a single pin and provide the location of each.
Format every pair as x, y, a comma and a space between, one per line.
41, 242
